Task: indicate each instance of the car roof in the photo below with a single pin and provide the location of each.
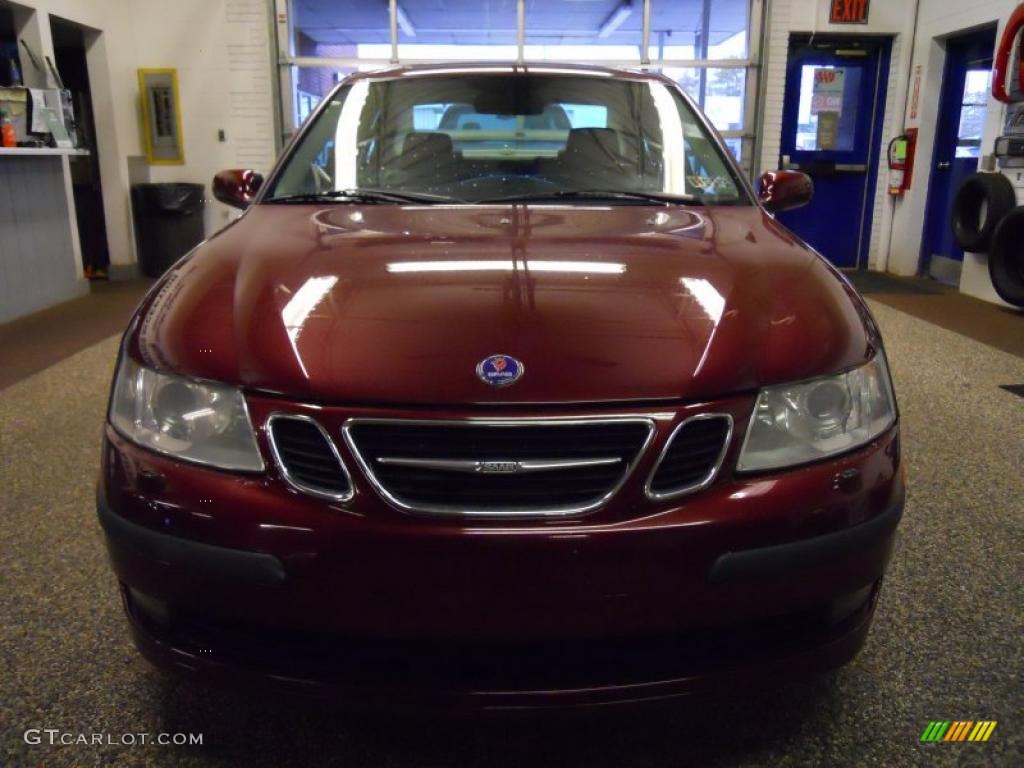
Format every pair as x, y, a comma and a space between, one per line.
507, 68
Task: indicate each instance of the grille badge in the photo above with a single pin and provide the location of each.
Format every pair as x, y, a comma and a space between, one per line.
500, 370
497, 467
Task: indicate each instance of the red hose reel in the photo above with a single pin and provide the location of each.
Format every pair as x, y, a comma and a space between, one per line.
1009, 46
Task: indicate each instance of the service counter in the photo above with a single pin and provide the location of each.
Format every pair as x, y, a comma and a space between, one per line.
40, 262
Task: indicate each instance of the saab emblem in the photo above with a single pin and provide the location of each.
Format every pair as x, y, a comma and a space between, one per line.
500, 370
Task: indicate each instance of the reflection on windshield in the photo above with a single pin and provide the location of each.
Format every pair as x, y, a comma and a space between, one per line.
509, 265
475, 137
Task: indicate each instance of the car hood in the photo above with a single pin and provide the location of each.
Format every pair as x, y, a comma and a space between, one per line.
398, 304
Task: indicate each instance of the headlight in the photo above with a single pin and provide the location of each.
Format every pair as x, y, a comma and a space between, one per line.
810, 420
196, 421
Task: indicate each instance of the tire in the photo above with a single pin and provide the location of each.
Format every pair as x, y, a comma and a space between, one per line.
980, 203
1006, 258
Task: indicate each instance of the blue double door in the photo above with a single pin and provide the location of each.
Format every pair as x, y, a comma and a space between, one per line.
831, 130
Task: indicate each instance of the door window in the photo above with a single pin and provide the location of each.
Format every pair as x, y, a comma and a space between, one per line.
827, 115
972, 112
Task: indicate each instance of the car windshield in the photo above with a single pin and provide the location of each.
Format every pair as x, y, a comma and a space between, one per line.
472, 138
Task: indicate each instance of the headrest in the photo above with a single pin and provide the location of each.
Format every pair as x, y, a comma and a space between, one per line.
593, 141
427, 143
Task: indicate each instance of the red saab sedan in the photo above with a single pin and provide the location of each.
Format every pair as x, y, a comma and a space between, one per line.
505, 391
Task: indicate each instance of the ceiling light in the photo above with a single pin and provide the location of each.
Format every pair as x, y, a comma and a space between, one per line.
404, 23
615, 18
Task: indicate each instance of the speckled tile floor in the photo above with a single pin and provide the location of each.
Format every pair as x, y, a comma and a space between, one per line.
947, 641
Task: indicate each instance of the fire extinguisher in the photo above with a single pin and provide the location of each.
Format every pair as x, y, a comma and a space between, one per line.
901, 162
1001, 68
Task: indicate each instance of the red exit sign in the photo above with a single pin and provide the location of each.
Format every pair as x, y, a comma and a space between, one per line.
849, 11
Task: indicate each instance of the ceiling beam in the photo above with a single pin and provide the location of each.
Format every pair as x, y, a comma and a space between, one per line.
404, 22
615, 18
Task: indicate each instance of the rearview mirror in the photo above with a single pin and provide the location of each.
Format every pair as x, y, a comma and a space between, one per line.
237, 187
785, 190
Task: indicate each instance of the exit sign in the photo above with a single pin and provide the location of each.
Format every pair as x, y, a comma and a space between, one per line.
848, 11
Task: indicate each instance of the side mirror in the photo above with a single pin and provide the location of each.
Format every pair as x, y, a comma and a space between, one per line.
785, 190
236, 187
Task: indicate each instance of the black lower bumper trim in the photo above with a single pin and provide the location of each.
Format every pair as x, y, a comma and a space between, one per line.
785, 558
220, 563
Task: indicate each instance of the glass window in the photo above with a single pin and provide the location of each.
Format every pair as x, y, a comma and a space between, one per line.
333, 30
586, 115
336, 27
973, 106
827, 115
312, 84
719, 92
475, 137
599, 31
453, 30
693, 29
569, 30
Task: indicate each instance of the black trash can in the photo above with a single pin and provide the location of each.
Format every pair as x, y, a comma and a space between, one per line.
168, 223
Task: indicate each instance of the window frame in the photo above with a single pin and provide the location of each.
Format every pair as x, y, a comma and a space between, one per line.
288, 65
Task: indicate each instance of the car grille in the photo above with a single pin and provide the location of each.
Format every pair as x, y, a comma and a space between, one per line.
307, 458
692, 456
501, 468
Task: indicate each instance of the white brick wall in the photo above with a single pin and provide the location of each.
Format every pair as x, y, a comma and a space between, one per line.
774, 69
940, 19
897, 226
787, 17
222, 51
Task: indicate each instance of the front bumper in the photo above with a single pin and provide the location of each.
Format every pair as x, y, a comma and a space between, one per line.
238, 576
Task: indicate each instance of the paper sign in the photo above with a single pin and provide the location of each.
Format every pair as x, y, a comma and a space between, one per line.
916, 92
828, 130
55, 125
827, 94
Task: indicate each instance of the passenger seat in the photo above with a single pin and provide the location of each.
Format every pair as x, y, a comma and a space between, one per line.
427, 157
596, 156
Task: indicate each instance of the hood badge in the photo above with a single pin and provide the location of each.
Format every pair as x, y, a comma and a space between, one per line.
500, 370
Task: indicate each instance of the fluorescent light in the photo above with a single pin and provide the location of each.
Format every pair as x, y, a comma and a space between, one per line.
303, 302
346, 151
615, 18
508, 265
455, 71
450, 266
575, 72
300, 306
597, 267
404, 23
710, 300
674, 173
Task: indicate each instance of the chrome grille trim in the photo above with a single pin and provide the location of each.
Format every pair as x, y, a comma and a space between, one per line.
482, 466
708, 479
282, 467
522, 513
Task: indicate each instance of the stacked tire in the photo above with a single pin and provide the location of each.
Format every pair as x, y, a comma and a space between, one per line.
986, 219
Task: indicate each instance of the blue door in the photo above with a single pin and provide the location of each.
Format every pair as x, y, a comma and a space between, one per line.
958, 131
831, 130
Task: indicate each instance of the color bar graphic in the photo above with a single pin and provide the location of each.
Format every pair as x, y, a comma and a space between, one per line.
958, 730
982, 731
935, 730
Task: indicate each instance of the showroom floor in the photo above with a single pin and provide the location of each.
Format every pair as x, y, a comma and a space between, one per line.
945, 645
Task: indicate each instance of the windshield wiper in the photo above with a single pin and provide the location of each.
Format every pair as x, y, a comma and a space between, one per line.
595, 194
362, 196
